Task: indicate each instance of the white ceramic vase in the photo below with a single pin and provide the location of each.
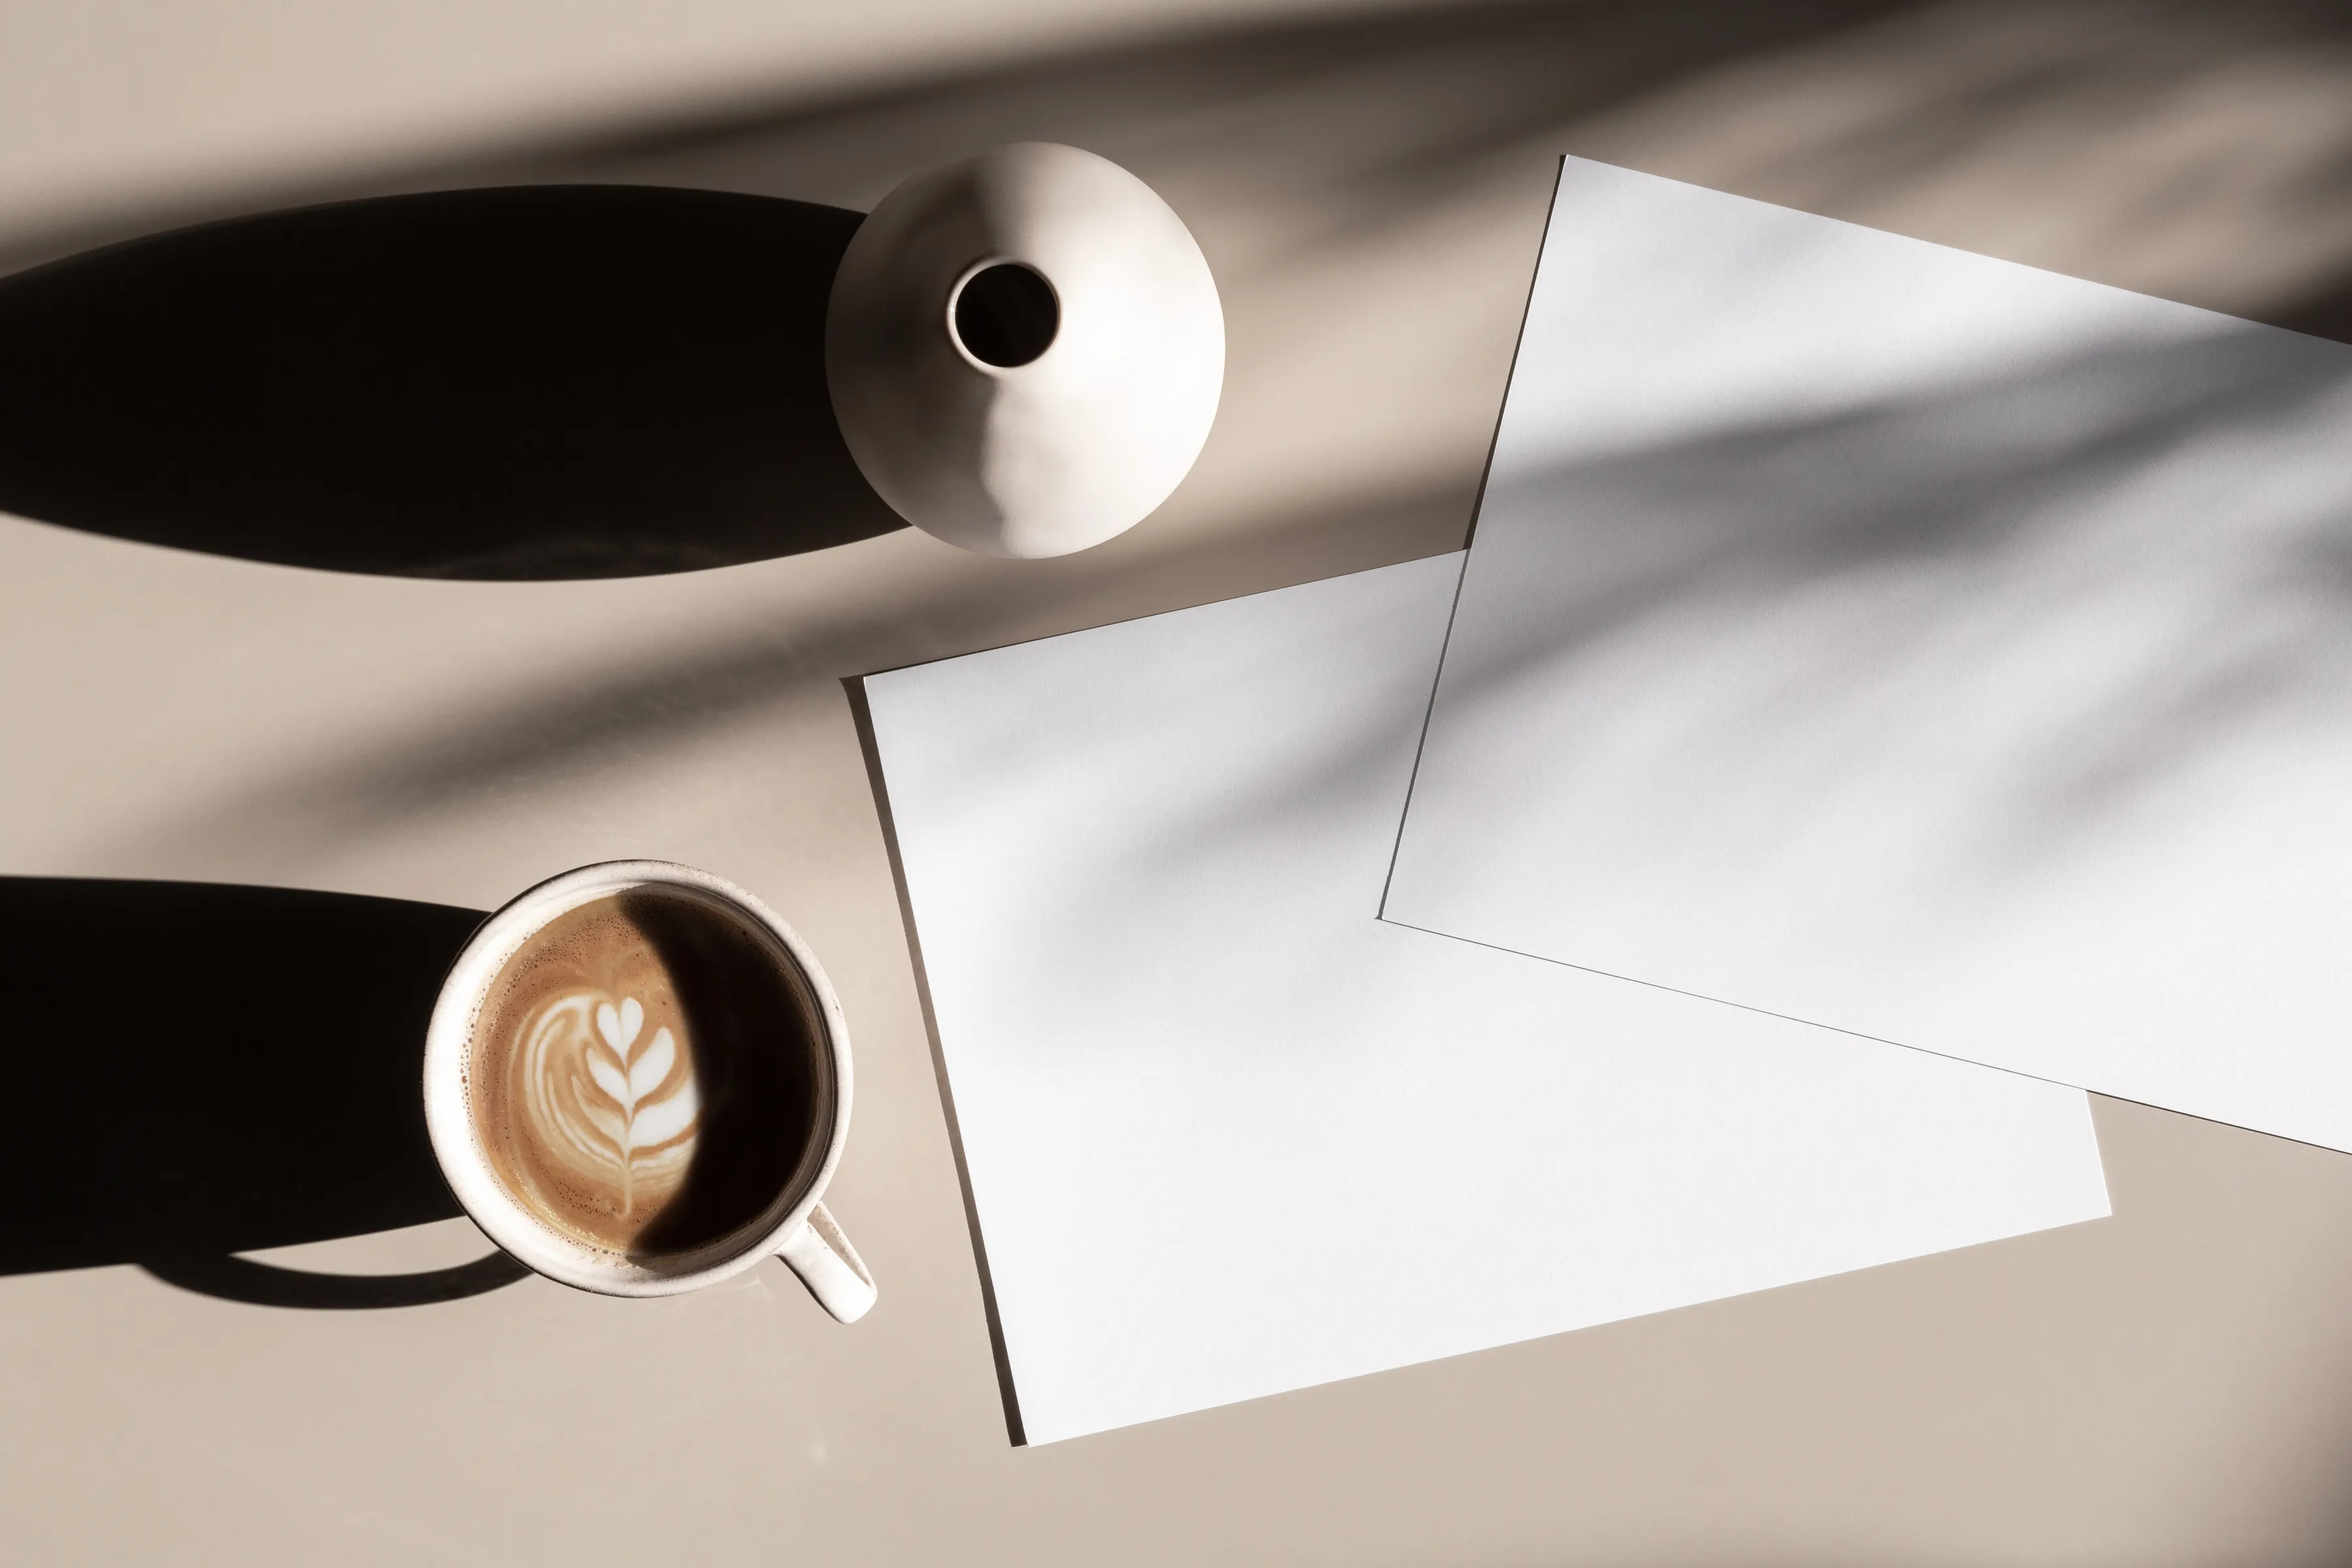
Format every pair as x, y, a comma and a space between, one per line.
1026, 349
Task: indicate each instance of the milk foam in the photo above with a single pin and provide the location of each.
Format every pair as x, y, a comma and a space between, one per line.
606, 1048
607, 1103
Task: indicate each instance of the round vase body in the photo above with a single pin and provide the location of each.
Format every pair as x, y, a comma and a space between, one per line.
1024, 350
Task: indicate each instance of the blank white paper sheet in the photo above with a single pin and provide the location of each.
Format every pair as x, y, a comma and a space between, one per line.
1916, 644
1227, 1134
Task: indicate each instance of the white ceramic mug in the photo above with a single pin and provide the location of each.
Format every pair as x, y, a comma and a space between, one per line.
796, 1227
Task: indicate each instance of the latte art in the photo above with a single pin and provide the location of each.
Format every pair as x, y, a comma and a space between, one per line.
613, 1103
644, 1073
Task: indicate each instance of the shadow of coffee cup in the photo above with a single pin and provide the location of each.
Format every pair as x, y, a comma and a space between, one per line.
637, 1082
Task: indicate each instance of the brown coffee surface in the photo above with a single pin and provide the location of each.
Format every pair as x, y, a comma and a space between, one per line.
644, 1074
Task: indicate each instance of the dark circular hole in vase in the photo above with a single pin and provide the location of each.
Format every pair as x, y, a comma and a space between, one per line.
1006, 315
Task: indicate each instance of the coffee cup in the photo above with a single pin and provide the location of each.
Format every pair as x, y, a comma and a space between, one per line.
637, 1082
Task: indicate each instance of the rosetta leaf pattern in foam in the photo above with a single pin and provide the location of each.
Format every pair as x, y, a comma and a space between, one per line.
611, 1090
633, 1075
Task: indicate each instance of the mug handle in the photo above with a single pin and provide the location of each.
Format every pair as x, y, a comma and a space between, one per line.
829, 1266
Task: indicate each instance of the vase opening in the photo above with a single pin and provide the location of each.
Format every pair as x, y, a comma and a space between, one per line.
1006, 315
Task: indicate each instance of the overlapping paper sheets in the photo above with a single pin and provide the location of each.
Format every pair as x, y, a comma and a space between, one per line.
1228, 1134
1914, 643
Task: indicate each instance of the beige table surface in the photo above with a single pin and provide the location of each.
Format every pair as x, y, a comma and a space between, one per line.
2173, 1385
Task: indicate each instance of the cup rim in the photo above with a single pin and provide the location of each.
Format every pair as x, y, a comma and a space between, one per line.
449, 1121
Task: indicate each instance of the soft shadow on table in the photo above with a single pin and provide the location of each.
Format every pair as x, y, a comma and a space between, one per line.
526, 382
258, 1284
203, 1071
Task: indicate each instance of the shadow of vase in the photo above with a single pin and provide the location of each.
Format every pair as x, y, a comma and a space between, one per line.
526, 382
207, 1069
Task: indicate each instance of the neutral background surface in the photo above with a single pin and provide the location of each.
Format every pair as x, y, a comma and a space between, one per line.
2171, 1385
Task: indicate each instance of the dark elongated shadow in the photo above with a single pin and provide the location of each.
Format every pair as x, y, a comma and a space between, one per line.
537, 381
203, 1070
267, 1285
